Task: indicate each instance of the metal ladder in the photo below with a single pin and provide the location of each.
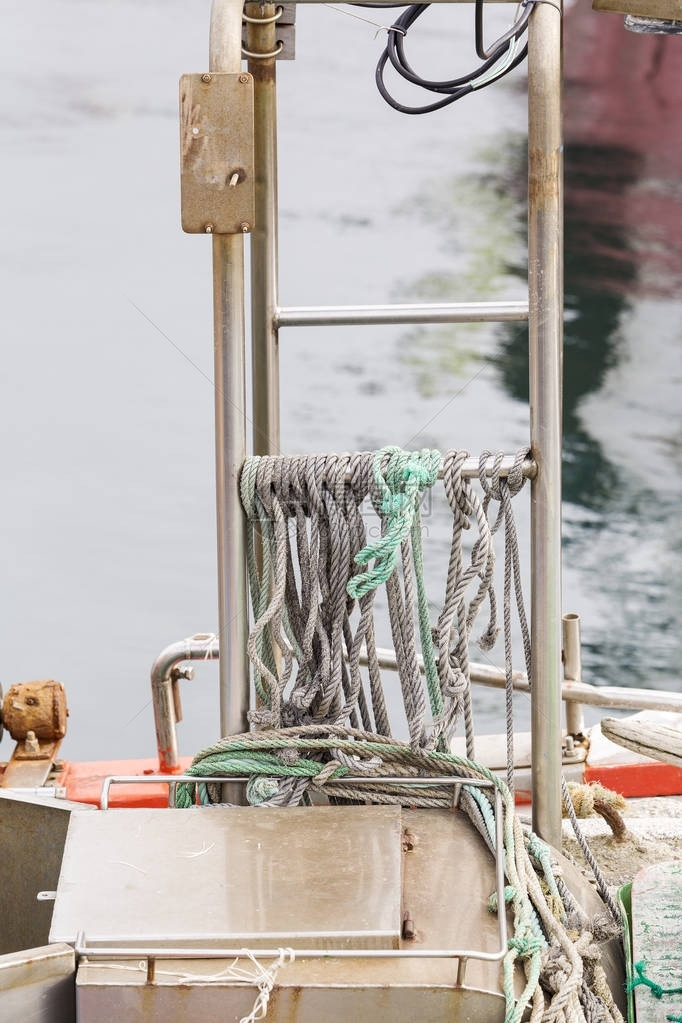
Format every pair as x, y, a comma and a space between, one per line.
544, 312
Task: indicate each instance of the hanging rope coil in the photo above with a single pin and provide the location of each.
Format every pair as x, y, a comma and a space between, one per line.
326, 535
313, 591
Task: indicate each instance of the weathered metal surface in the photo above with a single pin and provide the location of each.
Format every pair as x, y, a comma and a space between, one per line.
38, 707
34, 714
306, 992
32, 836
30, 765
657, 940
186, 882
37, 986
217, 161
312, 878
284, 36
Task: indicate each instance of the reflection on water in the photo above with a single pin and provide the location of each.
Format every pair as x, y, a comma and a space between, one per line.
622, 369
476, 225
107, 534
622, 433
600, 269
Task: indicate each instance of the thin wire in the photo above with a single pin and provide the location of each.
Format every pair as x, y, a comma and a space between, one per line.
367, 21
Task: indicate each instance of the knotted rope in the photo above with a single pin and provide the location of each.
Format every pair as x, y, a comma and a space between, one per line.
656, 989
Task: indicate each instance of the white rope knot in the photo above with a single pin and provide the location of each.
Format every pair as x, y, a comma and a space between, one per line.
265, 981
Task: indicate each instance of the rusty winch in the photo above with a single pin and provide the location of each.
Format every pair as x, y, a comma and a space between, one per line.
34, 714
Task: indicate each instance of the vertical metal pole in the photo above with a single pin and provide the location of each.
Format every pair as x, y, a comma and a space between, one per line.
264, 280
230, 418
573, 672
545, 282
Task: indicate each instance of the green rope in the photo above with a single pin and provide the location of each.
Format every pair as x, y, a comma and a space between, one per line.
674, 1019
656, 989
406, 475
400, 484
539, 851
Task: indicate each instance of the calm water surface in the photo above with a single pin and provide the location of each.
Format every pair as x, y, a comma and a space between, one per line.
107, 538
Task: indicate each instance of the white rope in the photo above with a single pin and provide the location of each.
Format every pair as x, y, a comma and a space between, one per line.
262, 977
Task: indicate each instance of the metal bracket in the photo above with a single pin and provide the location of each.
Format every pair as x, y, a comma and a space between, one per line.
286, 33
217, 175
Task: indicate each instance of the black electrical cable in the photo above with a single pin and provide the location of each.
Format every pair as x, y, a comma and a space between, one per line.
513, 32
455, 88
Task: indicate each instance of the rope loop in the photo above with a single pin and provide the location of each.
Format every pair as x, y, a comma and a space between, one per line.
656, 989
400, 477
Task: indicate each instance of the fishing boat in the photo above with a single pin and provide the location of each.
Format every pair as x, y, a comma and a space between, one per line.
310, 865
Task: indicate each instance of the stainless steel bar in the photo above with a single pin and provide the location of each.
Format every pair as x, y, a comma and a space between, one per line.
262, 38
172, 780
461, 971
571, 692
203, 646
85, 951
620, 696
442, 312
230, 410
570, 636
470, 467
153, 779
545, 325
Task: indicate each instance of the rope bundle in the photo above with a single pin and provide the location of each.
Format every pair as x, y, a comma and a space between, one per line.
314, 569
313, 592
553, 939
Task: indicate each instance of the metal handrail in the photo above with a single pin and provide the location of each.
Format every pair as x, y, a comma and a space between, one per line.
203, 647
418, 312
462, 955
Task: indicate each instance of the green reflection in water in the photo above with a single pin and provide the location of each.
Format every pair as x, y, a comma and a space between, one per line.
620, 534
460, 209
599, 267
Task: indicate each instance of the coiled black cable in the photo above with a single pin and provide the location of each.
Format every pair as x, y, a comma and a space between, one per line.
455, 88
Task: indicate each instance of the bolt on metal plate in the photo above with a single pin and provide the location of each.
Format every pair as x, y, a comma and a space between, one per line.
217, 153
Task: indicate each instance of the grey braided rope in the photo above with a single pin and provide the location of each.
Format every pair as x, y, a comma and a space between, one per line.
607, 898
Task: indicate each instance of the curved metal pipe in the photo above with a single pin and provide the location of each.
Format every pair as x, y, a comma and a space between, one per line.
164, 676
205, 647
